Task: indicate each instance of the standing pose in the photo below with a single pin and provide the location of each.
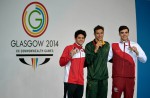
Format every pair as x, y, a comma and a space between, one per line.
72, 60
124, 55
96, 62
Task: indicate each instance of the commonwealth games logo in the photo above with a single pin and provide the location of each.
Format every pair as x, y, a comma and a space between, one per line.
35, 19
34, 52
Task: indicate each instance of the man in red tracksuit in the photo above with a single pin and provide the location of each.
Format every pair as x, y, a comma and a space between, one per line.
124, 55
72, 59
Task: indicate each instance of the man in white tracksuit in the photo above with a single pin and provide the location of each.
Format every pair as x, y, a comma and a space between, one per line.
124, 55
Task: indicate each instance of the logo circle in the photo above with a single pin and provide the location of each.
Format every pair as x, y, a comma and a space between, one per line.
35, 19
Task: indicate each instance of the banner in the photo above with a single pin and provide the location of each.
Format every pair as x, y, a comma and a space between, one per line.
33, 35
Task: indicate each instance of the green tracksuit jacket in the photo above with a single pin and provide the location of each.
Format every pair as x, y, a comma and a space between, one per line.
97, 71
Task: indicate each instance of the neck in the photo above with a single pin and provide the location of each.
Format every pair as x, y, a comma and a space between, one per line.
124, 40
79, 44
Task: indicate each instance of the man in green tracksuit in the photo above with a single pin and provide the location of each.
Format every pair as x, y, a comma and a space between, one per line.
96, 62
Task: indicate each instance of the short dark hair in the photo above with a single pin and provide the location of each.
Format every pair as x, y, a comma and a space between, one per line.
80, 32
122, 28
98, 27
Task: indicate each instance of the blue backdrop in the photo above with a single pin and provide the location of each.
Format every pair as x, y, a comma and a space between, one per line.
143, 36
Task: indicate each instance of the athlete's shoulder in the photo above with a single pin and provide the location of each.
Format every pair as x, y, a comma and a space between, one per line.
69, 46
115, 43
106, 42
89, 43
132, 42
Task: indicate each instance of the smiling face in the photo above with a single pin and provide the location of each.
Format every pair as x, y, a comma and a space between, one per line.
124, 34
99, 34
80, 39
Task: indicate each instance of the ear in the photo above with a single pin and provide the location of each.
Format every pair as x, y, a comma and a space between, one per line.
75, 39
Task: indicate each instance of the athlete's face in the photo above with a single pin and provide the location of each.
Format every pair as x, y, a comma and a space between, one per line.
80, 39
124, 34
99, 34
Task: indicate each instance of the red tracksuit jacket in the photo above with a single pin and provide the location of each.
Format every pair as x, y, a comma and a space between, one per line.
73, 65
124, 60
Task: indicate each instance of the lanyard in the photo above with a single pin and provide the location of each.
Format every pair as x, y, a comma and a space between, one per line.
127, 45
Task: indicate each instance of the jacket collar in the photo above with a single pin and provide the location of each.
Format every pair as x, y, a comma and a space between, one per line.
127, 41
77, 46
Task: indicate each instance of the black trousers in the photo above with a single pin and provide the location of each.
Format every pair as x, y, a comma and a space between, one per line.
73, 90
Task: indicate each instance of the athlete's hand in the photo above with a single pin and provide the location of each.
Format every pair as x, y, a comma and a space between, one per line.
135, 50
98, 44
73, 52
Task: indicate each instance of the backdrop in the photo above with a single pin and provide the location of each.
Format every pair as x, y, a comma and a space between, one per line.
33, 35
